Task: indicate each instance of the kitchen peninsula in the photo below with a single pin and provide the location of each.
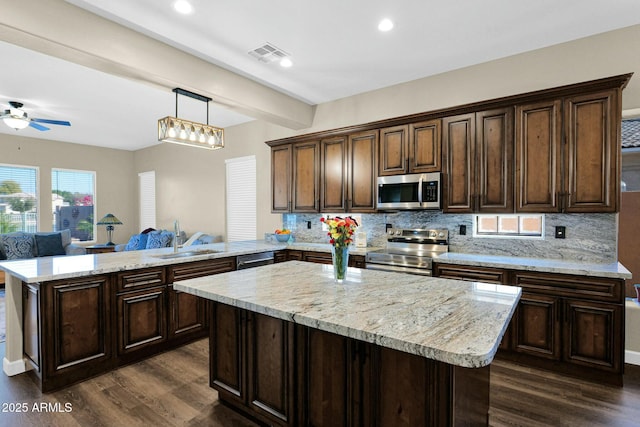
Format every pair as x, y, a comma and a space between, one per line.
290, 346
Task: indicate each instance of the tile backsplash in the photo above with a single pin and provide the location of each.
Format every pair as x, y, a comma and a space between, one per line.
589, 237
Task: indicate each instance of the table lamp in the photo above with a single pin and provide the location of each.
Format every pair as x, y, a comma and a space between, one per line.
109, 220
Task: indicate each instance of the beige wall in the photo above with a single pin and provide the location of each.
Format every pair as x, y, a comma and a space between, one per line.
114, 168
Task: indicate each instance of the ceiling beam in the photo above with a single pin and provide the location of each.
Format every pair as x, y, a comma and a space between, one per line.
62, 30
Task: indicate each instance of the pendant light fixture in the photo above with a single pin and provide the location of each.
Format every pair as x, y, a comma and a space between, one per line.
185, 132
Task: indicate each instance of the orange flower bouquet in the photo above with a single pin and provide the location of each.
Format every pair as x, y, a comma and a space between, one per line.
340, 236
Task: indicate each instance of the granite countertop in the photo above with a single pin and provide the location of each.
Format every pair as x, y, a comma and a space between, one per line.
71, 266
612, 270
456, 322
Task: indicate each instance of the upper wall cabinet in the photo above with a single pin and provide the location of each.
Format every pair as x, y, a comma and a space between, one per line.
413, 148
553, 150
579, 173
295, 182
478, 162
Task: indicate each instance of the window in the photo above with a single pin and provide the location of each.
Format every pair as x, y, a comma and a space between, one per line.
241, 199
147, 191
505, 226
18, 199
72, 196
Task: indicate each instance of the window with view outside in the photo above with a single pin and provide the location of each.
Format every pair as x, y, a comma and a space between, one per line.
18, 199
72, 196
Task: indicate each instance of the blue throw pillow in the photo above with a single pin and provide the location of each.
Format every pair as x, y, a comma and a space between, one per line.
49, 244
159, 239
133, 243
18, 245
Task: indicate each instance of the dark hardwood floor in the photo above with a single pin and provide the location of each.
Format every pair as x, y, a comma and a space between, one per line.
172, 389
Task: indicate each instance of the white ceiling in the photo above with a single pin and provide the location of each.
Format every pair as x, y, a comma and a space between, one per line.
335, 46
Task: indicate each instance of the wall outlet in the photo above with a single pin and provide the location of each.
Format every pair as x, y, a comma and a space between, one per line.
463, 230
308, 225
561, 231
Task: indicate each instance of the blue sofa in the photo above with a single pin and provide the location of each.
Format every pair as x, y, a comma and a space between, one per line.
21, 245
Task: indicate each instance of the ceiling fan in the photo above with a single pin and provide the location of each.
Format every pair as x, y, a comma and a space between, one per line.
17, 118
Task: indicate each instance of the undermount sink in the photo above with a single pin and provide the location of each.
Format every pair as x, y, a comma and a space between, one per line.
187, 254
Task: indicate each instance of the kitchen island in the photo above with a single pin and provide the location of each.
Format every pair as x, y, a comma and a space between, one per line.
290, 346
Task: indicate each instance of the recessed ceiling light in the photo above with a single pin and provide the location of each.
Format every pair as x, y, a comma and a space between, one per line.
385, 25
286, 62
183, 6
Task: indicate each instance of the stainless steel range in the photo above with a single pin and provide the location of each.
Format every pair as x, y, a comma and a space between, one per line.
409, 250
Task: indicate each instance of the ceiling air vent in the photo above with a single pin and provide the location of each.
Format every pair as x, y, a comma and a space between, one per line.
268, 53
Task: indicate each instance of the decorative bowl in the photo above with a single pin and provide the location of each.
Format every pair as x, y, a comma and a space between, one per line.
282, 237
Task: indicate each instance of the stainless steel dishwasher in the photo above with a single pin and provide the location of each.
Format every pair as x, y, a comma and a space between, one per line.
254, 260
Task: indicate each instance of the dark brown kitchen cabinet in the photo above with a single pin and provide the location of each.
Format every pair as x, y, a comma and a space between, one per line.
537, 327
333, 174
68, 333
142, 320
413, 148
567, 323
591, 162
295, 177
305, 184
252, 363
478, 162
326, 258
281, 178
567, 154
361, 176
187, 313
538, 156
594, 334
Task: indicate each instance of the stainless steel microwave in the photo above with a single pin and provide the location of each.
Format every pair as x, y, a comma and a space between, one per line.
414, 191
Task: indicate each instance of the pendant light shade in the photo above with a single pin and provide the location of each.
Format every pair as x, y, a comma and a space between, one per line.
185, 132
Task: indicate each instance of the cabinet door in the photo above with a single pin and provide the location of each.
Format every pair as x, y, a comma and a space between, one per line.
425, 142
538, 157
494, 154
270, 368
593, 335
227, 370
142, 319
78, 333
306, 177
537, 326
187, 313
363, 164
458, 155
333, 172
281, 178
326, 367
394, 157
592, 158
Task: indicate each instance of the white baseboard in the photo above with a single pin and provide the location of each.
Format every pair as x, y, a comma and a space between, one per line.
13, 368
632, 357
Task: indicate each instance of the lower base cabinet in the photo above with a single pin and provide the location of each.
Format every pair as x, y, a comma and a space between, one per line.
251, 363
78, 328
284, 374
569, 324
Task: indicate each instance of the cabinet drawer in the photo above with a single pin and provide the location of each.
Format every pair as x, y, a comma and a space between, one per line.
473, 274
192, 270
138, 279
600, 289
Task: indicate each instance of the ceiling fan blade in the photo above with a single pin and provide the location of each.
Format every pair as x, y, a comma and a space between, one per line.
53, 122
37, 126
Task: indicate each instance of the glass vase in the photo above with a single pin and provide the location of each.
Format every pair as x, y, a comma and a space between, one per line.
340, 258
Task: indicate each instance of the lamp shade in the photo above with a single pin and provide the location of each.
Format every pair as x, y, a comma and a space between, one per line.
109, 219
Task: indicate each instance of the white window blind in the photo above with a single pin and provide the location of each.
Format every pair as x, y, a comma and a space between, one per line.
241, 198
18, 198
147, 191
